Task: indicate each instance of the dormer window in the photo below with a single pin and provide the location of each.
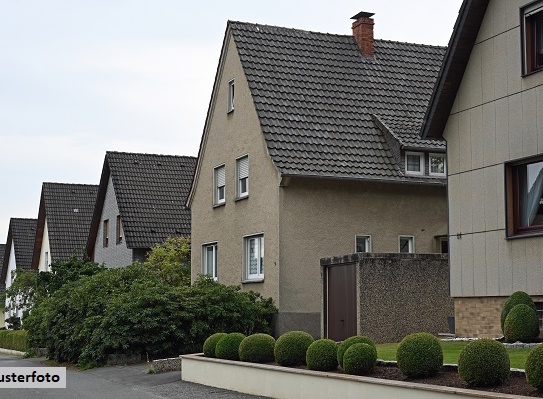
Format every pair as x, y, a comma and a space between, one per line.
532, 37
230, 105
437, 165
414, 163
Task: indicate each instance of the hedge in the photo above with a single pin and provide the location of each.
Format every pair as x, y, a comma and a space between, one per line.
14, 340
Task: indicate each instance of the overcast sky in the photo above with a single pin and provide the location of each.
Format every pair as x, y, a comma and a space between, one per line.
79, 78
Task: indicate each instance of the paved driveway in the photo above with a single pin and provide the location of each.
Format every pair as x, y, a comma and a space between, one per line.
116, 382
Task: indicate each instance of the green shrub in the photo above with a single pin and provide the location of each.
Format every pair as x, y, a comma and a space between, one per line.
419, 355
14, 340
257, 348
351, 341
484, 362
321, 355
517, 298
521, 324
534, 367
228, 347
210, 344
359, 359
291, 347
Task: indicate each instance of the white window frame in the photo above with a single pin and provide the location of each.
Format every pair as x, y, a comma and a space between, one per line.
421, 156
214, 266
231, 95
248, 276
437, 155
242, 174
217, 200
367, 237
411, 244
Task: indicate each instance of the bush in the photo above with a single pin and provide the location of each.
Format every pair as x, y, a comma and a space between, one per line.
228, 347
517, 298
359, 359
321, 355
484, 362
534, 367
257, 348
291, 347
14, 340
521, 324
359, 339
419, 355
211, 342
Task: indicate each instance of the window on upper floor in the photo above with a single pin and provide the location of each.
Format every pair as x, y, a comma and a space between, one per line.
106, 233
531, 17
406, 244
209, 260
219, 183
363, 243
46, 261
524, 196
254, 257
230, 104
437, 165
119, 230
414, 163
242, 177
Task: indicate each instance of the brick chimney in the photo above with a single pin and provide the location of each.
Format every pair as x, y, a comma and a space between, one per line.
363, 32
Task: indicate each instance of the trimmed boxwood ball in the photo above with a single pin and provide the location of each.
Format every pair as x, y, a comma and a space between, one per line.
521, 324
257, 348
534, 367
419, 355
484, 362
211, 342
291, 347
357, 339
359, 359
228, 347
321, 355
516, 298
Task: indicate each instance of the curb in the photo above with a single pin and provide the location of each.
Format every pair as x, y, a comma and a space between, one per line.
4, 351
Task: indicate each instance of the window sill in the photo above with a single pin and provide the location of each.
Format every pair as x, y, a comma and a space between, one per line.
219, 205
525, 235
253, 281
241, 198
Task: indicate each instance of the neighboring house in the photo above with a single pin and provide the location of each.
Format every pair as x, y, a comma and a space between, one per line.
2, 282
311, 148
18, 252
141, 202
64, 219
488, 106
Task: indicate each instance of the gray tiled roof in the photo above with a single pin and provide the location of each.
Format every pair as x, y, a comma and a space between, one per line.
315, 96
68, 209
23, 233
151, 192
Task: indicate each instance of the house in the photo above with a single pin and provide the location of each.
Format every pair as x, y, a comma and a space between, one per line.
311, 148
18, 252
2, 282
140, 202
64, 218
488, 106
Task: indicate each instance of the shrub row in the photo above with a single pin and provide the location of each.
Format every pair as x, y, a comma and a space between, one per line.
14, 340
519, 319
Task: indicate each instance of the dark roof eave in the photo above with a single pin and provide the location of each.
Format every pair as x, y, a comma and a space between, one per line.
408, 180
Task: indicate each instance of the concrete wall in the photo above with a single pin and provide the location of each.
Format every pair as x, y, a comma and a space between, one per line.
497, 117
115, 255
230, 136
400, 294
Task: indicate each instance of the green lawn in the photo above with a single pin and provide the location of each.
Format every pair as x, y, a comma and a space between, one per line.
451, 352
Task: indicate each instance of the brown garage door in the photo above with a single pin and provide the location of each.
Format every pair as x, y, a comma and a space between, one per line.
340, 309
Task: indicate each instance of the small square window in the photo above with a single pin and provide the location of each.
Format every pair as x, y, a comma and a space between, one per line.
407, 244
230, 105
209, 260
414, 163
363, 243
242, 171
531, 18
254, 257
219, 177
437, 165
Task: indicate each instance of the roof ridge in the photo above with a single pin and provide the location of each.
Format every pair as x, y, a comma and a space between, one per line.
146, 153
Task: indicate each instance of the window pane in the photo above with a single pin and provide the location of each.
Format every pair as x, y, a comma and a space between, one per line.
209, 260
538, 20
413, 163
243, 186
437, 165
362, 244
253, 256
530, 186
405, 245
261, 245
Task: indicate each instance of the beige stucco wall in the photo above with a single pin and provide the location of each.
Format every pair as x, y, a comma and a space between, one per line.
320, 218
497, 117
230, 136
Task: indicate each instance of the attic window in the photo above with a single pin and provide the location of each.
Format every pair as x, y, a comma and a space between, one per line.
414, 163
230, 105
532, 37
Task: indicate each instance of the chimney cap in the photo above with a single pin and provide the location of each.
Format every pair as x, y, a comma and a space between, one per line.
363, 14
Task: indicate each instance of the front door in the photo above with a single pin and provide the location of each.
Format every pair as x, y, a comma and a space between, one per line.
340, 302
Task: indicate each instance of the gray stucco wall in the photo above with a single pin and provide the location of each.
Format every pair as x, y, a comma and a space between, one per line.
400, 294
